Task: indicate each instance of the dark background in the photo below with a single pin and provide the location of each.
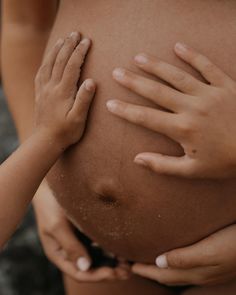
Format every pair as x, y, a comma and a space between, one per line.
24, 269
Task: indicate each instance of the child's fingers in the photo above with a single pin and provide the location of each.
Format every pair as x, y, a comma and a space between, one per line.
83, 100
178, 166
45, 71
178, 78
158, 93
156, 120
64, 55
73, 68
200, 62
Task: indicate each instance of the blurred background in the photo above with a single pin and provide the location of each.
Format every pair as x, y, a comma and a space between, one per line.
24, 269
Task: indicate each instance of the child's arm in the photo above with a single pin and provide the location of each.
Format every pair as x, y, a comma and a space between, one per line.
60, 116
200, 116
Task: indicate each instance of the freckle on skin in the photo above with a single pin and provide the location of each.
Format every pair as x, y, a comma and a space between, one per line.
194, 151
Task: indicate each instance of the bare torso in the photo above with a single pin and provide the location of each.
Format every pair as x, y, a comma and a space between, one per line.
127, 209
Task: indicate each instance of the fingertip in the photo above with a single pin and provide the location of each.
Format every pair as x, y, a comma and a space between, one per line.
75, 35
141, 59
162, 262
90, 85
135, 268
112, 105
180, 48
86, 42
60, 42
140, 161
83, 264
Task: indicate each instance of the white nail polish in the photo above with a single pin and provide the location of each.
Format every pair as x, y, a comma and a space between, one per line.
111, 105
141, 59
162, 262
119, 74
83, 264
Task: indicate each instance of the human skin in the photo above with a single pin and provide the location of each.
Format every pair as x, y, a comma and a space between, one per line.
109, 185
56, 87
26, 26
167, 45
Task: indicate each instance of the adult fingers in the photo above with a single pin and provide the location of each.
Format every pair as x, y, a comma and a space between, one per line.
209, 70
72, 247
193, 256
64, 55
153, 90
97, 275
166, 276
176, 77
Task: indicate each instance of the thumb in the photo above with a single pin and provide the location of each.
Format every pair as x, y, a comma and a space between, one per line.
186, 258
74, 249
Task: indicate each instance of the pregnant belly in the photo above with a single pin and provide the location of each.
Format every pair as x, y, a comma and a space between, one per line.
129, 210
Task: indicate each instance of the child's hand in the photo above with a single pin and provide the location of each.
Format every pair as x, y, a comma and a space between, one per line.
200, 116
209, 262
61, 109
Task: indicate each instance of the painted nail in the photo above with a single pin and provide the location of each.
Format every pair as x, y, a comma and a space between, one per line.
141, 59
83, 264
89, 85
181, 47
119, 74
111, 105
162, 262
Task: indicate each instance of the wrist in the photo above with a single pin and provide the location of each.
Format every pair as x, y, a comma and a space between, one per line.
49, 140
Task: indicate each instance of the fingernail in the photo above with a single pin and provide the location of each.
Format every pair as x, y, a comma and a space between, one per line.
74, 35
111, 105
60, 41
83, 264
162, 262
140, 161
181, 47
119, 74
141, 59
89, 85
85, 41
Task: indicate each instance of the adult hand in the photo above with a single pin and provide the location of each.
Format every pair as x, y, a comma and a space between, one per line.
62, 246
208, 262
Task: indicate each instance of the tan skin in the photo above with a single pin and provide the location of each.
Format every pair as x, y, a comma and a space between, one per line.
90, 289
196, 111
56, 88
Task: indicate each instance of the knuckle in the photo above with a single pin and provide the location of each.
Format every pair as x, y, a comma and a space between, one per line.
185, 128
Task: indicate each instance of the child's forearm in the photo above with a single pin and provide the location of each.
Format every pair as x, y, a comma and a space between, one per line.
20, 176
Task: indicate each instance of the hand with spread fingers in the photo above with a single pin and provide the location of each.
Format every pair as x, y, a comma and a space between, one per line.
200, 116
211, 261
